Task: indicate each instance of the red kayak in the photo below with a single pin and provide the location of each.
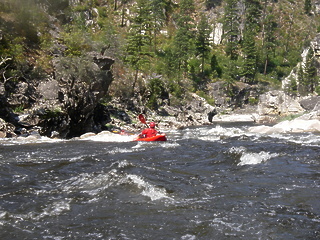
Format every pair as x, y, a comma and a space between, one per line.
160, 137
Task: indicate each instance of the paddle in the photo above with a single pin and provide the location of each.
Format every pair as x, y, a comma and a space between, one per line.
142, 119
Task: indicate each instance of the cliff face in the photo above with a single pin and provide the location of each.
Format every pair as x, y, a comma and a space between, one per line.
65, 106
46, 86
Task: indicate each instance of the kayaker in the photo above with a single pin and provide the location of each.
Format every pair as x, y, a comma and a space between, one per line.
149, 132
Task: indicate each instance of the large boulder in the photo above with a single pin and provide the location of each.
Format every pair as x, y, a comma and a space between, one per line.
69, 101
310, 103
278, 103
196, 112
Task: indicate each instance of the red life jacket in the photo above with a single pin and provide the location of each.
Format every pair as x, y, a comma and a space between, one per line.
149, 132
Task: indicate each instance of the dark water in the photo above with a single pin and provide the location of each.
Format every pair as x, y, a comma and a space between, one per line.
214, 182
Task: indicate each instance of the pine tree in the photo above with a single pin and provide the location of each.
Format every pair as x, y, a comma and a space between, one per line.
215, 68
184, 37
202, 40
300, 80
269, 40
310, 71
307, 6
158, 18
249, 68
252, 26
231, 29
139, 39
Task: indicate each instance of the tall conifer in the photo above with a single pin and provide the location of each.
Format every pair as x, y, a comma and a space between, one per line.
139, 38
252, 27
203, 40
184, 38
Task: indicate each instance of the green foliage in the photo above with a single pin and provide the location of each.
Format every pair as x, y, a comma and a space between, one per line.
231, 25
203, 40
209, 99
307, 6
290, 117
18, 109
215, 67
261, 43
317, 90
184, 40
52, 113
158, 93
76, 40
253, 101
310, 72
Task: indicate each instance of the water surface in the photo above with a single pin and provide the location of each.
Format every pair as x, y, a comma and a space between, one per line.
212, 182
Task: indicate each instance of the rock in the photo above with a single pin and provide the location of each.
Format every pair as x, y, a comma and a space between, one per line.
278, 103
49, 89
235, 118
3, 134
6, 129
310, 103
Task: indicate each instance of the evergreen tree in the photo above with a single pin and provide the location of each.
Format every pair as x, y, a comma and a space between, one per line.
250, 57
215, 68
139, 38
269, 40
184, 37
300, 80
123, 11
252, 26
307, 6
158, 18
202, 40
231, 29
310, 71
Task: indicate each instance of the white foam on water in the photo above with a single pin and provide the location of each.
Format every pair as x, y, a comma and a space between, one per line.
97, 184
251, 158
213, 134
169, 144
28, 140
106, 136
56, 208
228, 132
231, 225
148, 190
237, 150
255, 158
188, 237
121, 150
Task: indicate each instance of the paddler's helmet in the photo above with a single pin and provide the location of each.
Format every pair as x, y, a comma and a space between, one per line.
152, 125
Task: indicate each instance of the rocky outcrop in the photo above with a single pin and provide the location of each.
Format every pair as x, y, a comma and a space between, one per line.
274, 104
196, 111
6, 129
310, 103
69, 103
62, 106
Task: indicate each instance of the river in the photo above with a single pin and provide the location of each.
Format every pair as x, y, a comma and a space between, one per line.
212, 182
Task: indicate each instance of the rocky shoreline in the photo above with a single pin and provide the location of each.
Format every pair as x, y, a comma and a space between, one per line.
273, 114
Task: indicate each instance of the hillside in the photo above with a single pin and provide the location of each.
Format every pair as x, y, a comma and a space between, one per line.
68, 66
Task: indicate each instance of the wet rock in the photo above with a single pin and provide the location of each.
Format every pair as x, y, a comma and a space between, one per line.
6, 129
